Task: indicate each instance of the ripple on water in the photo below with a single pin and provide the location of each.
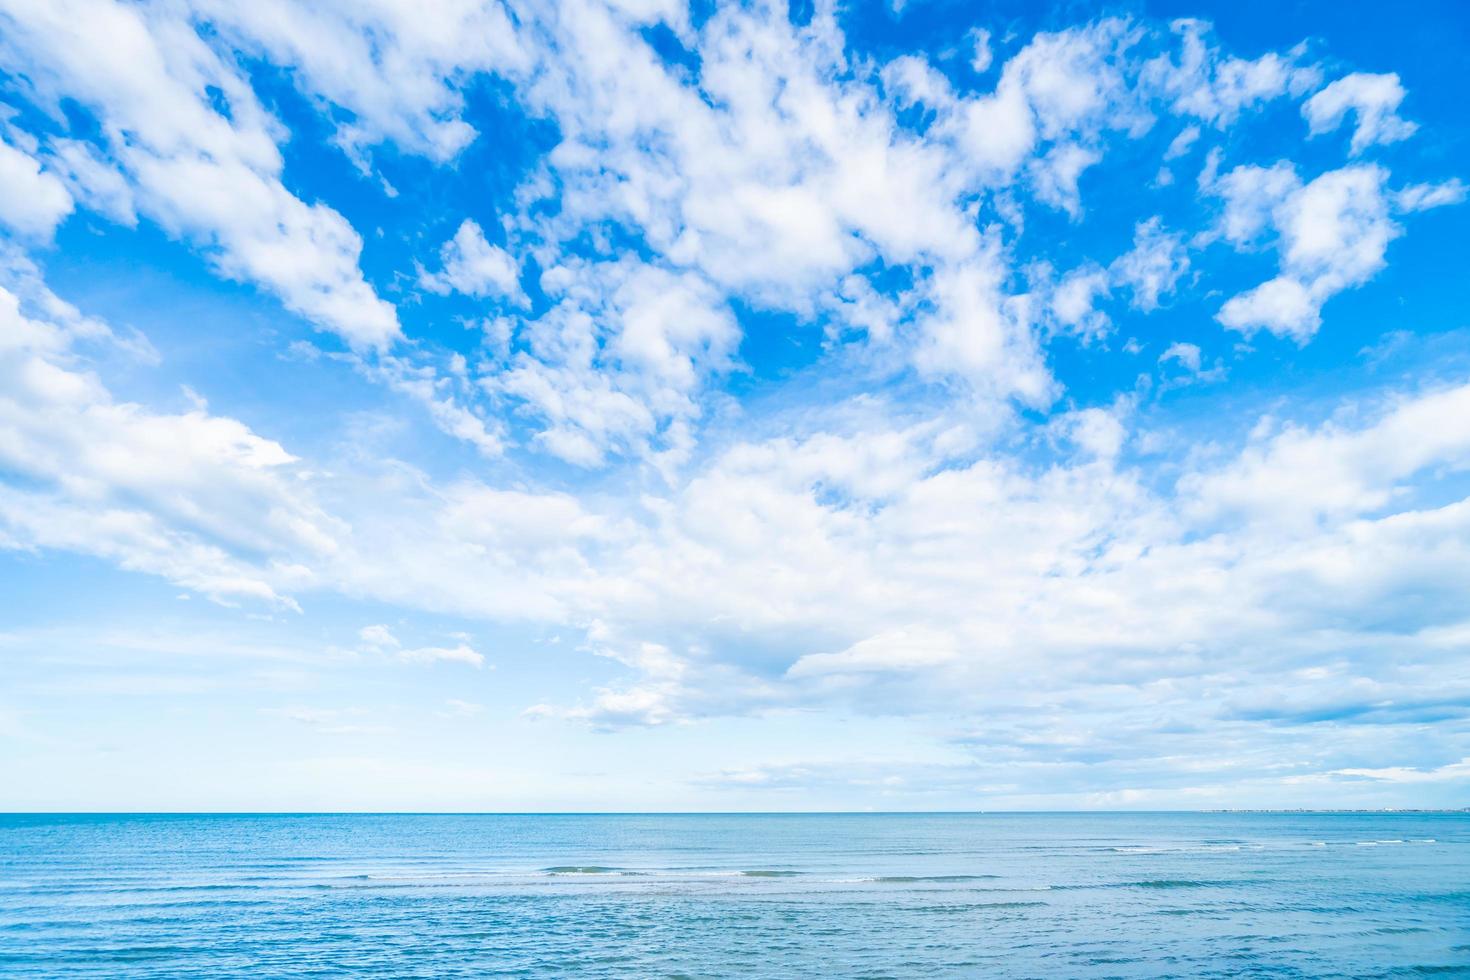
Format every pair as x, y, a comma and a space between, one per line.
604, 897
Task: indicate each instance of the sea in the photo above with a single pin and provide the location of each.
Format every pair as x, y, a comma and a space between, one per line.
736, 895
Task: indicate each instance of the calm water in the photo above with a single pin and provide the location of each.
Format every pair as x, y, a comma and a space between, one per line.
1045, 895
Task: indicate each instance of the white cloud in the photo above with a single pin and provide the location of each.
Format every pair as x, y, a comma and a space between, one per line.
1188, 356
1074, 299
982, 57
171, 494
1149, 270
1373, 100
1152, 268
444, 395
1336, 472
460, 653
1071, 599
1333, 234
1055, 175
1216, 88
778, 175
93, 181
473, 266
1095, 431
904, 649
32, 201
618, 362
331, 721
1059, 85
378, 636
978, 333
1452, 771
398, 68
1422, 197
1071, 603
202, 175
1183, 143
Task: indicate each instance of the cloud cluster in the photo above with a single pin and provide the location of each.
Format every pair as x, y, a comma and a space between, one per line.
471, 265
1079, 587
1372, 99
745, 160
1332, 234
197, 151
189, 496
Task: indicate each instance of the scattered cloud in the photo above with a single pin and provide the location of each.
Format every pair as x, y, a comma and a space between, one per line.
1372, 99
1332, 234
460, 653
378, 637
473, 266
32, 201
780, 389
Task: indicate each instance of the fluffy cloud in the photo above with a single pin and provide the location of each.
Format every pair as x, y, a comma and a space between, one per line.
618, 361
1166, 586
399, 69
461, 653
32, 201
1332, 234
1073, 302
778, 175
1372, 99
1152, 268
788, 571
378, 637
473, 266
1055, 597
1187, 356
1333, 473
897, 650
444, 394
963, 537
211, 176
1402, 774
1216, 88
173, 494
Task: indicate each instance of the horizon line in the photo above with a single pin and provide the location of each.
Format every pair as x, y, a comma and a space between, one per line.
726, 813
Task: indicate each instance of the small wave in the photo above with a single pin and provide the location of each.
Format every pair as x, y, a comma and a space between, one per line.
770, 874
582, 869
966, 908
1207, 847
920, 879
1159, 883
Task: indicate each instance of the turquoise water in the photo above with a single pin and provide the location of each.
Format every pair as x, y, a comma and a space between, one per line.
883, 895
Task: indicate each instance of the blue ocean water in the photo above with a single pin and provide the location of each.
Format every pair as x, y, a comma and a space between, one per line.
839, 895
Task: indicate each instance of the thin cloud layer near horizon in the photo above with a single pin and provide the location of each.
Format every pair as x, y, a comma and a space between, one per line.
500, 406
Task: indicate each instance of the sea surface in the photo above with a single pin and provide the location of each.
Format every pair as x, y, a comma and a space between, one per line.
829, 895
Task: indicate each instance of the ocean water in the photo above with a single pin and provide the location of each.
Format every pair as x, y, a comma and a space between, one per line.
860, 895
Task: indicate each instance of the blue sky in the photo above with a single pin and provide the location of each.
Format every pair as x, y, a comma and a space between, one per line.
632, 406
